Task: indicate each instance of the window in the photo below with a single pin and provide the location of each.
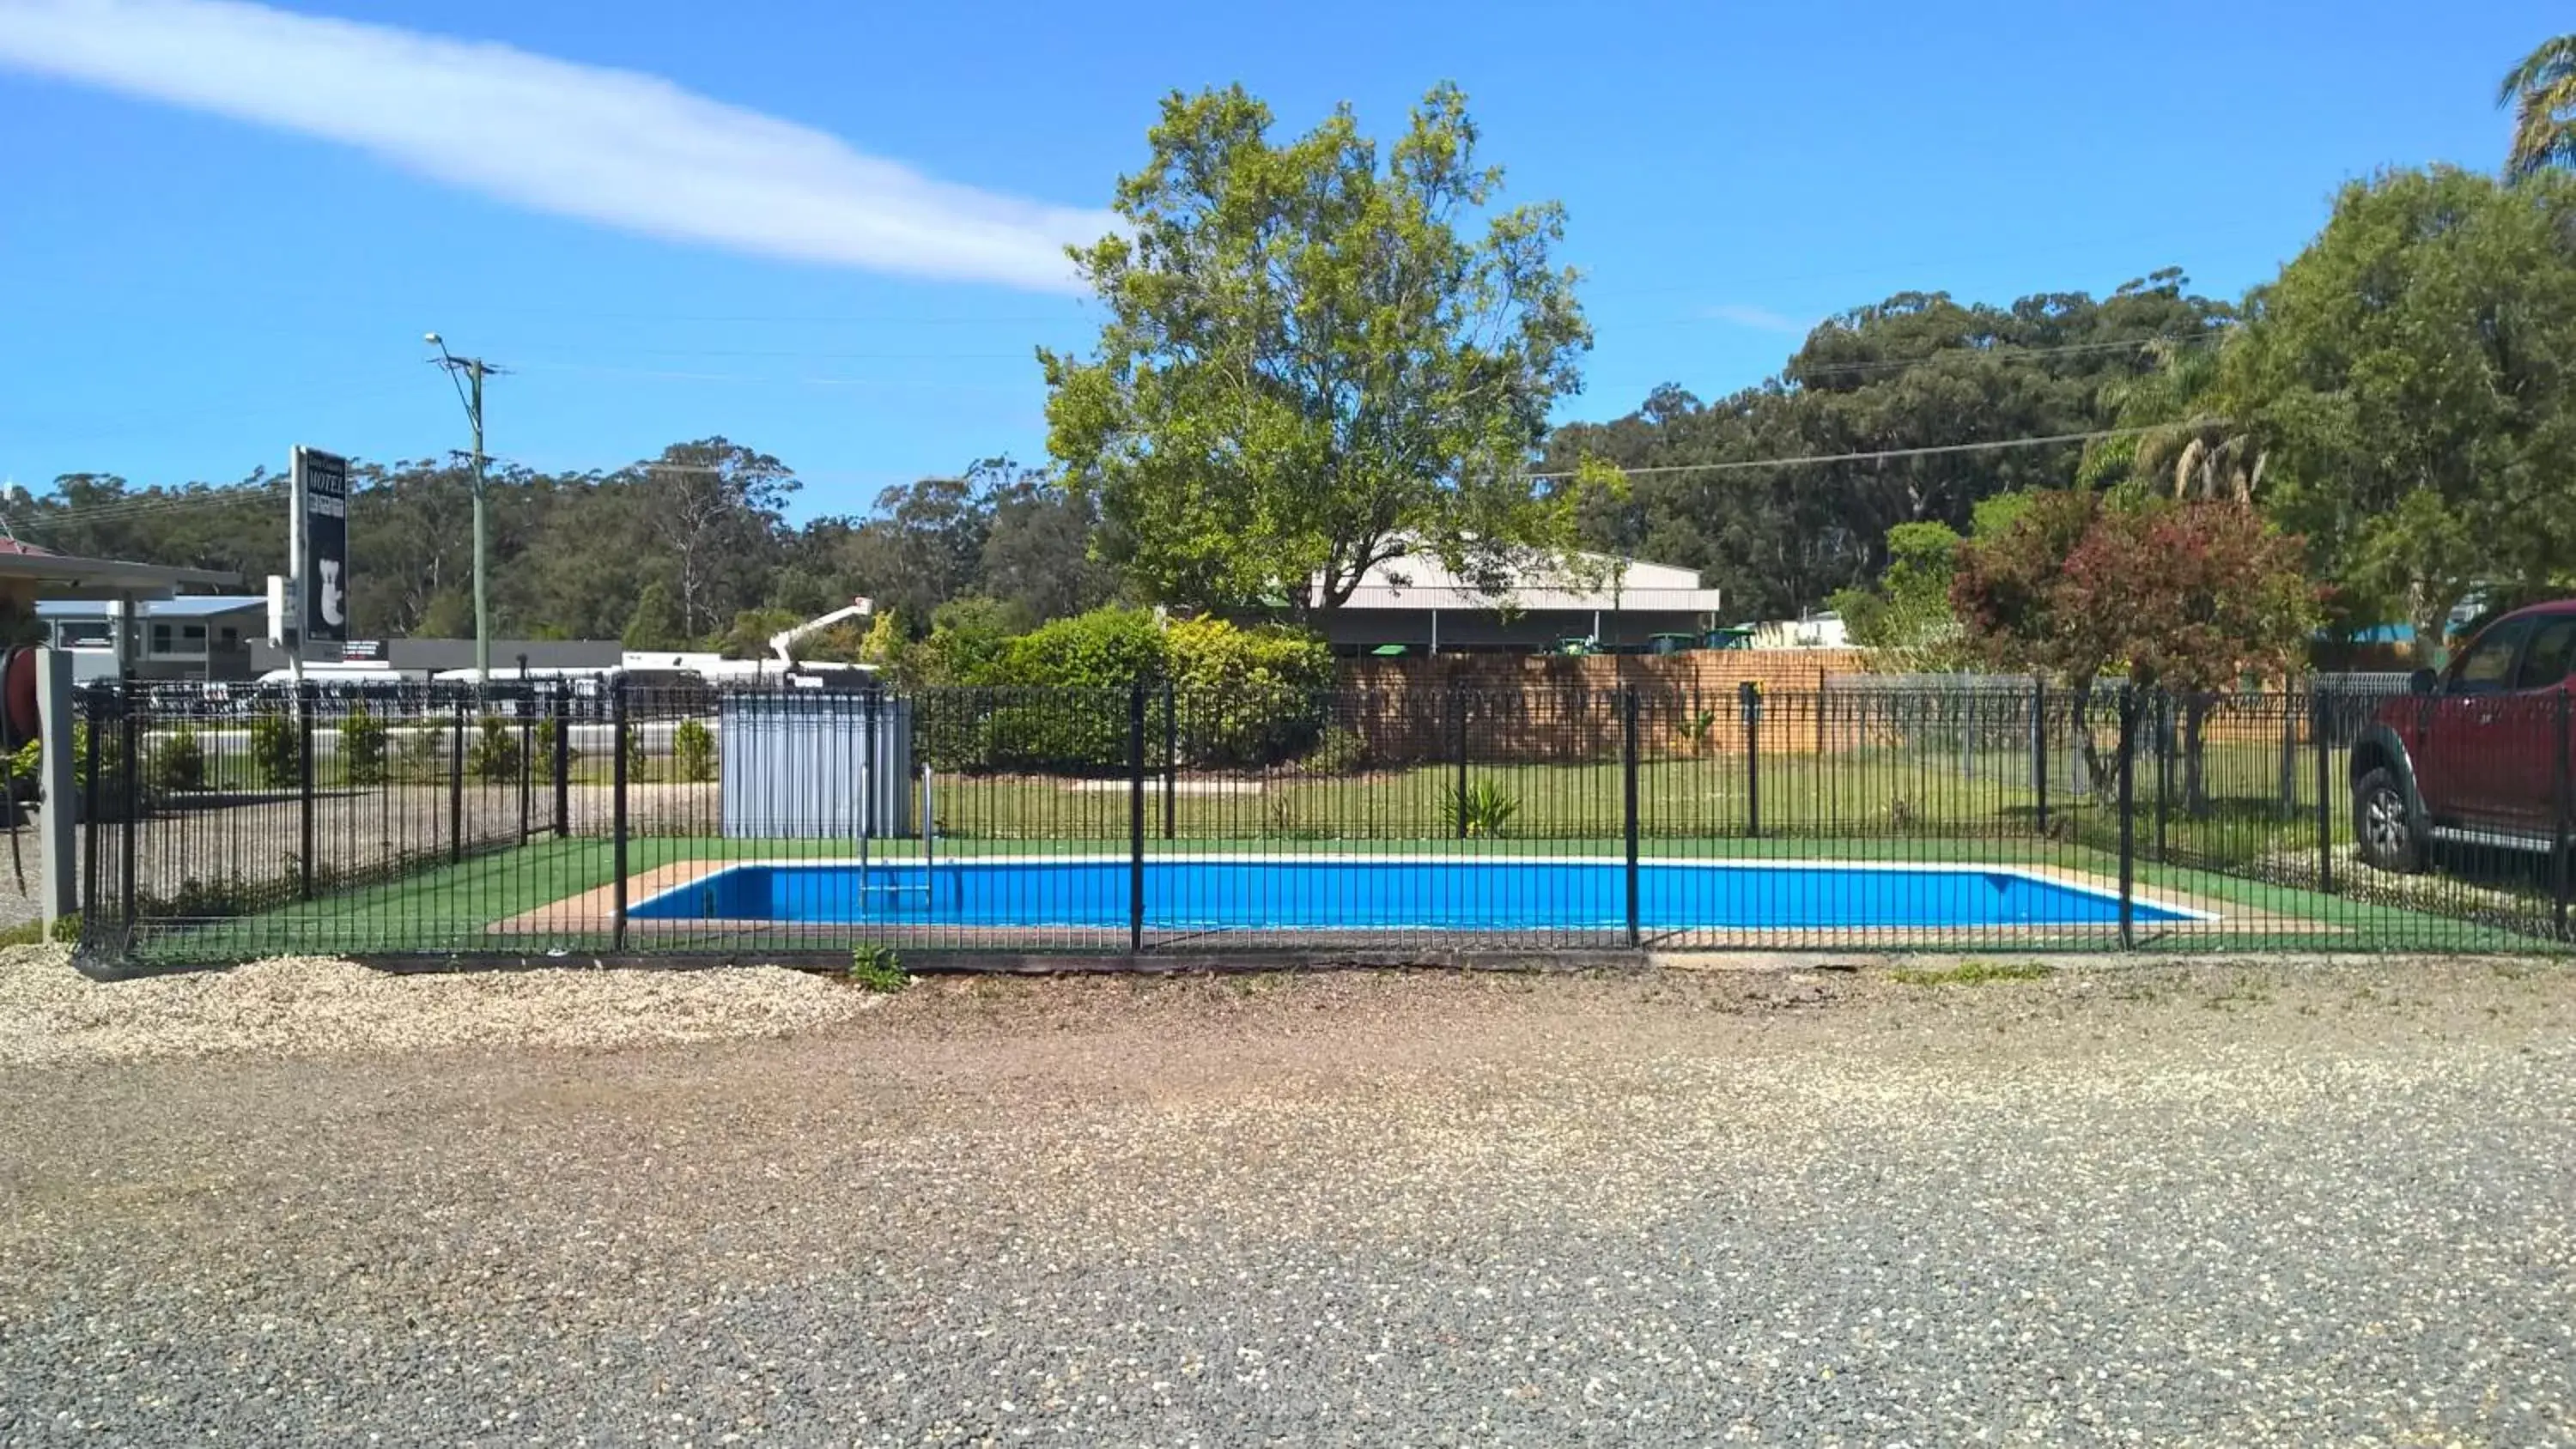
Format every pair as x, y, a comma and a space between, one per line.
2488, 666
2552, 653
161, 643
230, 637
193, 634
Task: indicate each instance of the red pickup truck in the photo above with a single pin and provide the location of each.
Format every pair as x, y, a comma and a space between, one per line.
2476, 754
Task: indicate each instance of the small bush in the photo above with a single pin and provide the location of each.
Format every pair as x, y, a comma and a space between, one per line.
1338, 751
362, 745
424, 754
494, 755
275, 759
693, 752
178, 761
1483, 809
546, 732
877, 968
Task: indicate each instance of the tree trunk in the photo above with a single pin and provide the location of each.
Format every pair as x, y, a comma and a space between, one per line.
2195, 785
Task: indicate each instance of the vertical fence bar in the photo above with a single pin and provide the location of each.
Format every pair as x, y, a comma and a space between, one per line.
617, 812
130, 791
1171, 762
1628, 797
304, 783
527, 758
2039, 749
2325, 799
1748, 700
456, 789
92, 861
2164, 772
1136, 818
1458, 749
2128, 818
563, 763
2558, 817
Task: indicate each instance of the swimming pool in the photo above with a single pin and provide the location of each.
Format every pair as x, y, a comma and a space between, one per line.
1438, 893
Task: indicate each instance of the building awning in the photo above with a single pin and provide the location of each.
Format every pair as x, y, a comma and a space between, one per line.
27, 575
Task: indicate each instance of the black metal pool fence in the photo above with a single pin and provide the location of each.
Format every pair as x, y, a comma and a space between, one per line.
528, 823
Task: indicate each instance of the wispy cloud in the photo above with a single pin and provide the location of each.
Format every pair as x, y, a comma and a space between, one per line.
1759, 318
616, 147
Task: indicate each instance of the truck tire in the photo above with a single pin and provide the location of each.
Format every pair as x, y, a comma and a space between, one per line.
2383, 823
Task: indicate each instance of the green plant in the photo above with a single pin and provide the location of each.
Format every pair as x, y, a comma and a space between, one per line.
275, 757
1699, 729
362, 745
1482, 808
1255, 695
178, 761
494, 755
877, 968
546, 734
1973, 973
424, 754
1337, 751
693, 752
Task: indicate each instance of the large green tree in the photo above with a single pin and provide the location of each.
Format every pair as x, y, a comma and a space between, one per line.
2410, 380
1919, 370
1312, 362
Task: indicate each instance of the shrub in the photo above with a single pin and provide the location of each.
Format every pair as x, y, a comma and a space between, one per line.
275, 760
424, 754
877, 968
1077, 730
1256, 695
494, 755
1105, 649
362, 745
1482, 808
1338, 751
178, 761
693, 752
547, 729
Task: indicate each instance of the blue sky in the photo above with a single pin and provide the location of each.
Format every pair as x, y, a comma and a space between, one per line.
225, 227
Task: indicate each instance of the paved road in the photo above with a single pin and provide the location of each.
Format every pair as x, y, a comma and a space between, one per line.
2150, 1206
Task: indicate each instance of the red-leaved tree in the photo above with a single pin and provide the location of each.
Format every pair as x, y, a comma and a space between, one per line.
2185, 597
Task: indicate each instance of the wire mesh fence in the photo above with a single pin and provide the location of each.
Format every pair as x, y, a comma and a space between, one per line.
782, 824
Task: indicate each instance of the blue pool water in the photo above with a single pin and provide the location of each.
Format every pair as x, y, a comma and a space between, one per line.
1455, 894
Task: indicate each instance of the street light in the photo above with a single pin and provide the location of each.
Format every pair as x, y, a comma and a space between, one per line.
468, 374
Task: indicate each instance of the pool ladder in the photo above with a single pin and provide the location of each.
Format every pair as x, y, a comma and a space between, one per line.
929, 854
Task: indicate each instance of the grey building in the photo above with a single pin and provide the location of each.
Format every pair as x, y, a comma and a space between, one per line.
193, 636
1416, 604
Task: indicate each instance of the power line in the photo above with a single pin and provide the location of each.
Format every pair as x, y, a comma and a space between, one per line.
1879, 455
2002, 354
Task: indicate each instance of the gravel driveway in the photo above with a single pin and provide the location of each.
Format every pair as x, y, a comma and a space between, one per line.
2143, 1205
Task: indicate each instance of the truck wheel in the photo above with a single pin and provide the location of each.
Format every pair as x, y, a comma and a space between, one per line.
2383, 824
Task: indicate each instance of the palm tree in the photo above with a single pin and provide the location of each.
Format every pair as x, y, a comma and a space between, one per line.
2189, 446
2542, 92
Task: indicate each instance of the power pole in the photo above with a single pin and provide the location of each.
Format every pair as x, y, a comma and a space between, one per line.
468, 373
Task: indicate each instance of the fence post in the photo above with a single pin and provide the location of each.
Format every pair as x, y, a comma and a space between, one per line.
2164, 770
1628, 798
304, 778
1458, 734
2558, 842
527, 759
92, 861
2325, 799
1748, 699
563, 764
456, 790
2039, 748
1136, 818
617, 811
2128, 817
1171, 760
2289, 752
132, 794
60, 845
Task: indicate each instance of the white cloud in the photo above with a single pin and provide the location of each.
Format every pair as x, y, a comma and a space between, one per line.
620, 148
1760, 318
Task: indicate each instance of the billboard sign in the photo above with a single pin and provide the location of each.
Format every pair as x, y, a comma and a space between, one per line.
319, 545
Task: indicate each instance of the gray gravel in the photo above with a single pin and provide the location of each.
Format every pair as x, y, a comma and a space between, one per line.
2211, 1205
